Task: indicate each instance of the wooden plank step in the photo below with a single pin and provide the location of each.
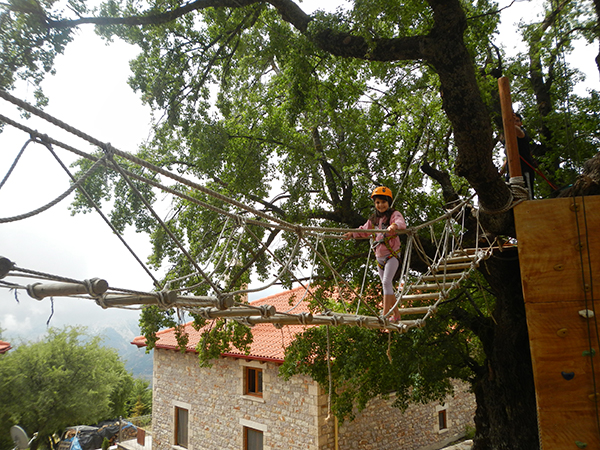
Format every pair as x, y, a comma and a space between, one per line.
441, 276
460, 259
409, 323
352, 320
415, 310
465, 251
430, 287
427, 296
452, 267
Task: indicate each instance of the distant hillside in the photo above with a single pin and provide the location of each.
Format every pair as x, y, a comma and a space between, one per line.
117, 330
137, 361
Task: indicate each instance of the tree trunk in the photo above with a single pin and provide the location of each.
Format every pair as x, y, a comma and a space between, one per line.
588, 183
506, 416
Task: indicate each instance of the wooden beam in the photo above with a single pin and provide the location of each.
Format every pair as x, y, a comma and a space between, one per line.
510, 133
39, 291
241, 311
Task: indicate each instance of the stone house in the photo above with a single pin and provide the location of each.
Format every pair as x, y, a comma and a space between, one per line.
241, 402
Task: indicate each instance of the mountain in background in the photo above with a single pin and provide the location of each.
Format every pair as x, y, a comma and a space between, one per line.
116, 333
137, 361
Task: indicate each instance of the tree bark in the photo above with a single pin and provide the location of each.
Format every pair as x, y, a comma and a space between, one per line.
506, 415
588, 183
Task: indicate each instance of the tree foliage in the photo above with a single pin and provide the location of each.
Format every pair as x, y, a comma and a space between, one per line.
68, 378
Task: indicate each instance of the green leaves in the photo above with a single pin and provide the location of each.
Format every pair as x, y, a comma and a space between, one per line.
27, 45
221, 337
65, 379
126, 194
417, 367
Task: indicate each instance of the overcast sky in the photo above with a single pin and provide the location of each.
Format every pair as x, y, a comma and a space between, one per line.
90, 93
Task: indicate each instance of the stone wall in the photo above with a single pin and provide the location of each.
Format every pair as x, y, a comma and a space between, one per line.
288, 414
291, 414
380, 426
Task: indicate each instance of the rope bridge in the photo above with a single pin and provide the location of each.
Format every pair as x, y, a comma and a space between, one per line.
446, 270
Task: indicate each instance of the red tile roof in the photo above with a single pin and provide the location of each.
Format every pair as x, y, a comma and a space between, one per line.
4, 347
269, 342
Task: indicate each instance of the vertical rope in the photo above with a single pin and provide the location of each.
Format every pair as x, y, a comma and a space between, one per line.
329, 374
585, 296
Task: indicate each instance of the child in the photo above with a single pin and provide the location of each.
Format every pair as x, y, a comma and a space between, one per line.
387, 244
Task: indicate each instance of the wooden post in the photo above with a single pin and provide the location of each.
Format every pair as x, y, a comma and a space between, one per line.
510, 134
214, 313
6, 266
117, 300
39, 291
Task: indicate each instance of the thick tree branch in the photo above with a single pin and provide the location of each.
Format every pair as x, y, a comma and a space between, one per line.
151, 17
347, 45
326, 167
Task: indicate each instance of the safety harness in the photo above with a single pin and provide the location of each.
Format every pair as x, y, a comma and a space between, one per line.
385, 241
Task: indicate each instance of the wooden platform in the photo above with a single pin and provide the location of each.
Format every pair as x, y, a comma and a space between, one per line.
559, 254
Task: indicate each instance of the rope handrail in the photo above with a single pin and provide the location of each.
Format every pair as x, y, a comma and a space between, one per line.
170, 298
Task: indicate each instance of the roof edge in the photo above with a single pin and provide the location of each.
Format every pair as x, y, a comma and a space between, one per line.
252, 357
223, 355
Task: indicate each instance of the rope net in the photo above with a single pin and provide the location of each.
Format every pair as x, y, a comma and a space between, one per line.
417, 294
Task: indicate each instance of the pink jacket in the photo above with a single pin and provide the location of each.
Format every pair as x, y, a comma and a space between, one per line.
381, 250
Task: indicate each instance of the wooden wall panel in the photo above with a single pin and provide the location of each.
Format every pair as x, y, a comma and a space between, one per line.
559, 256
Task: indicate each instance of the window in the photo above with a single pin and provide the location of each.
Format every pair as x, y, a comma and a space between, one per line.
442, 420
181, 427
253, 385
253, 439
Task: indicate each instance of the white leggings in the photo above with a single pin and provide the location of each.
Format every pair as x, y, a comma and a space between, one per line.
390, 266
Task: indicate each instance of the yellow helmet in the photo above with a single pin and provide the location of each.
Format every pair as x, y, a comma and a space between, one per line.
382, 190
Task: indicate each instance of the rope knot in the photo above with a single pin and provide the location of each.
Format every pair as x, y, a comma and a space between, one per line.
165, 299
419, 323
41, 138
336, 320
204, 313
31, 291
95, 287
109, 150
304, 318
239, 220
267, 310
100, 301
